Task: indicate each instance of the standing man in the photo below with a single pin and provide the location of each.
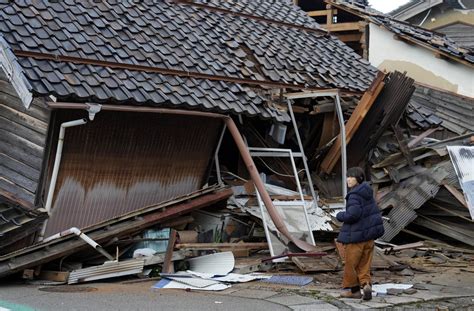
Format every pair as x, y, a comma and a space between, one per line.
362, 224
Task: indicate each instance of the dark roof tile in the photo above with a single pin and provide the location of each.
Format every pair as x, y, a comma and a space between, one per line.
181, 37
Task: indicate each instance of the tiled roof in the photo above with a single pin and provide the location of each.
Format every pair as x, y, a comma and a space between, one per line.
418, 35
16, 222
174, 36
430, 107
283, 11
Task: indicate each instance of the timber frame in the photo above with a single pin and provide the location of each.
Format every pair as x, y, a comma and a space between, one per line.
336, 22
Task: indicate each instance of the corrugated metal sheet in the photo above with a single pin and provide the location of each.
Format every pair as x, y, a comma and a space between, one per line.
121, 162
409, 196
385, 112
109, 269
462, 158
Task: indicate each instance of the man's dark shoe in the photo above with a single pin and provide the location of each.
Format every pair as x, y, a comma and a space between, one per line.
349, 294
367, 292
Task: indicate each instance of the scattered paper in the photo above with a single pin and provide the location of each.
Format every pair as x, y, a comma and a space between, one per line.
382, 288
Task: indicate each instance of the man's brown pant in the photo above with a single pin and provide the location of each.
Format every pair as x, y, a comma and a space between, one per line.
358, 259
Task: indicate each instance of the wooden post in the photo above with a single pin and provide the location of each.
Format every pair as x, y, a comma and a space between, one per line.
330, 14
167, 264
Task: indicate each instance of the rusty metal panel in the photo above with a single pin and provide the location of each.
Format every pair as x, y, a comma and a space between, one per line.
122, 162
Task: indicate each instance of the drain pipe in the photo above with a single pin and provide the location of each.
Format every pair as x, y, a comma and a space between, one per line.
57, 162
82, 236
340, 118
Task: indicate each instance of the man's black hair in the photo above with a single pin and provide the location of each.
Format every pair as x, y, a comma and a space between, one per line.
357, 173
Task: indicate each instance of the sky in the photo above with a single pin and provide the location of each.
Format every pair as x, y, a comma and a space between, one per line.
386, 6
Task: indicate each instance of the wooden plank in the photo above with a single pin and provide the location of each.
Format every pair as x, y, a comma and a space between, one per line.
22, 131
56, 276
18, 179
402, 247
341, 26
454, 232
403, 145
167, 263
322, 264
321, 12
354, 122
22, 143
323, 108
299, 109
35, 110
353, 37
420, 137
23, 119
16, 152
222, 245
329, 128
20, 168
16, 194
160, 258
457, 194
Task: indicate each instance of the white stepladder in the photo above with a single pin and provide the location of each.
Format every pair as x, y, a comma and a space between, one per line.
283, 205
275, 152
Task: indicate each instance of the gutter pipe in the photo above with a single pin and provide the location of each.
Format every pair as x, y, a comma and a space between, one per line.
82, 236
57, 162
244, 152
340, 118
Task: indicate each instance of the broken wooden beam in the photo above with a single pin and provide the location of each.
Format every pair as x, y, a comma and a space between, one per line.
160, 258
321, 12
354, 122
221, 246
402, 247
341, 26
403, 145
167, 265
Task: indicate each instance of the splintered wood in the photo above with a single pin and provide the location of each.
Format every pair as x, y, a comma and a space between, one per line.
354, 122
323, 264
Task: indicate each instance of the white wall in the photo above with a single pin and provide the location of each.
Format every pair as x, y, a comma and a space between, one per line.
387, 53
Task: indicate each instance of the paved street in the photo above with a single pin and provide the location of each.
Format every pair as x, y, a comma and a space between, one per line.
109, 296
120, 295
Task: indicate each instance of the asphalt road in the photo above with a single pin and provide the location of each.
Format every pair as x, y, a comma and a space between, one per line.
110, 296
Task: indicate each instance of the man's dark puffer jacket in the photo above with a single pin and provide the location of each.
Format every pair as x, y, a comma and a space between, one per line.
362, 218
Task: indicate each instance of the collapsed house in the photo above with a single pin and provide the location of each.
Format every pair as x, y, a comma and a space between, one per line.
106, 108
128, 117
